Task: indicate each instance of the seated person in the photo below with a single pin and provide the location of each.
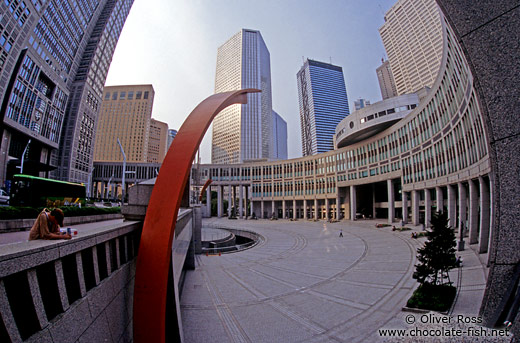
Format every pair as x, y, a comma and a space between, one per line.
47, 225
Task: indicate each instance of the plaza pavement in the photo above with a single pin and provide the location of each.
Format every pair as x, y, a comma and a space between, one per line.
304, 283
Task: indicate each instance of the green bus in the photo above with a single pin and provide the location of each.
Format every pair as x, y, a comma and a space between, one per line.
27, 190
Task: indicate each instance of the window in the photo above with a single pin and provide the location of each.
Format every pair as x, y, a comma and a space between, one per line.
130, 95
145, 95
138, 95
114, 96
122, 96
107, 96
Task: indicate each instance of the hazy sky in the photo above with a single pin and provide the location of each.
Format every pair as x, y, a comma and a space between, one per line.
173, 46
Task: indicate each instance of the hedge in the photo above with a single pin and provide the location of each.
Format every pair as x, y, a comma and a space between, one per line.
11, 212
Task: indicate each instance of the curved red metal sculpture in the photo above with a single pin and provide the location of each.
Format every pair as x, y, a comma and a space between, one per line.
155, 249
204, 188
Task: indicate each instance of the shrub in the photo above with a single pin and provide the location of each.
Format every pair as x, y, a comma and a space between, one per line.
433, 297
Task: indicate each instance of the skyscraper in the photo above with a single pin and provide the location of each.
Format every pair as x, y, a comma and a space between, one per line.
361, 103
126, 113
279, 137
158, 141
412, 37
54, 58
323, 104
386, 80
243, 132
171, 135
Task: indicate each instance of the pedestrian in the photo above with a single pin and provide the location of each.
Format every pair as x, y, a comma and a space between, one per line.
341, 232
47, 225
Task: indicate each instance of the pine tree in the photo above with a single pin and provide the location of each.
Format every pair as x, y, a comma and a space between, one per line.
437, 256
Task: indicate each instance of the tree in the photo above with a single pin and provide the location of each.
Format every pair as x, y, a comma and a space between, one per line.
437, 256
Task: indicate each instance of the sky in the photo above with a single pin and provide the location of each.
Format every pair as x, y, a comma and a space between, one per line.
172, 44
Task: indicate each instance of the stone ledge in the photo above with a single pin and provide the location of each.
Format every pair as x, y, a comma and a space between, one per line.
26, 224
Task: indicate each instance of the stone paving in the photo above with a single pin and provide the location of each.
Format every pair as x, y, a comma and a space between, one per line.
304, 283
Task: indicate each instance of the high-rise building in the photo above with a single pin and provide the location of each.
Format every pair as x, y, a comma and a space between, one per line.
125, 114
54, 58
323, 104
171, 135
158, 141
243, 132
361, 103
279, 137
412, 37
386, 80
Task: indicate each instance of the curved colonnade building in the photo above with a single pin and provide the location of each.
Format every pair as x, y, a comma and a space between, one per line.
435, 158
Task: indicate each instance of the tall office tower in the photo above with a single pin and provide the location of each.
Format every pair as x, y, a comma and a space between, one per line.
386, 80
54, 56
412, 37
125, 114
360, 103
158, 141
243, 132
279, 137
171, 135
323, 104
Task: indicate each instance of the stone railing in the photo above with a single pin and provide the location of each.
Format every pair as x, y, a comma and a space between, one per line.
26, 224
67, 291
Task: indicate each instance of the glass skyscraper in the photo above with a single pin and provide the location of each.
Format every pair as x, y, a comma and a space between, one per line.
243, 132
323, 104
54, 58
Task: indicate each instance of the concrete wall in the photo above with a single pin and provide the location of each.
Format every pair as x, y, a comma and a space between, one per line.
488, 31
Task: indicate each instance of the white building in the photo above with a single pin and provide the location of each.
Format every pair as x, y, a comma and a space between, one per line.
243, 132
412, 37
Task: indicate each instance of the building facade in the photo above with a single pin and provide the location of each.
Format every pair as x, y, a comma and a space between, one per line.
323, 104
435, 158
243, 132
279, 137
412, 37
386, 80
361, 103
158, 141
54, 59
125, 114
171, 135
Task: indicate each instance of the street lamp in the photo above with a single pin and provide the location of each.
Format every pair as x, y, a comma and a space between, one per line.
23, 156
124, 172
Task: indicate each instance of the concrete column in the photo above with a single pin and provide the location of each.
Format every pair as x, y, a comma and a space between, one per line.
250, 197
462, 208
353, 202
405, 207
315, 208
473, 213
304, 209
415, 207
485, 215
347, 205
272, 210
240, 201
284, 216
391, 201
452, 210
220, 202
373, 201
230, 202
440, 200
327, 209
338, 205
294, 209
427, 208
208, 201
261, 209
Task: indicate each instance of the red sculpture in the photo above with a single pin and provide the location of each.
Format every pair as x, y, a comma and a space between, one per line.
155, 249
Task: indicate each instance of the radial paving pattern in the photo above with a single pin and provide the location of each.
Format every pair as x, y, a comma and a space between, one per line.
304, 283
